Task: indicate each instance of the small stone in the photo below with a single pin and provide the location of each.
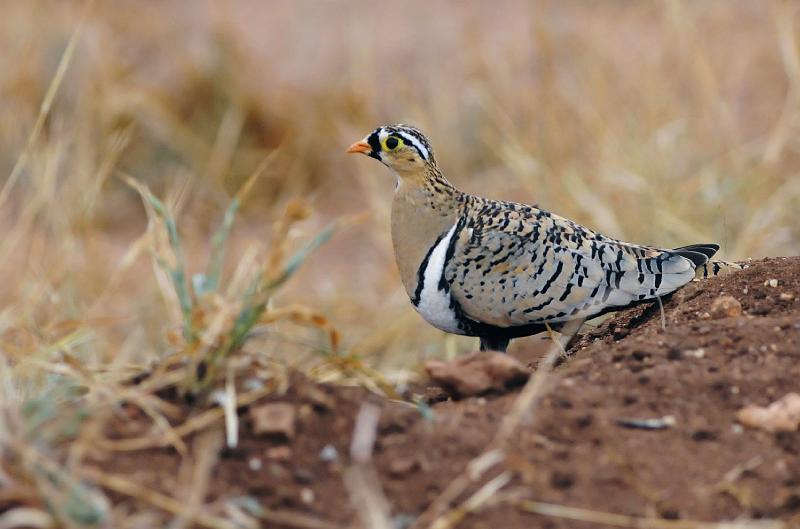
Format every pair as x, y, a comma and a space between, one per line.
477, 373
786, 296
771, 283
253, 383
695, 353
403, 466
279, 453
307, 496
725, 307
276, 419
329, 453
304, 476
667, 421
276, 471
783, 415
254, 463
403, 521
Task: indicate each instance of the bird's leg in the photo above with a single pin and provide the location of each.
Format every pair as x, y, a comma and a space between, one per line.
494, 343
555, 339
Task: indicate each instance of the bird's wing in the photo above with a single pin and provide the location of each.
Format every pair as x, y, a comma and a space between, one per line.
514, 264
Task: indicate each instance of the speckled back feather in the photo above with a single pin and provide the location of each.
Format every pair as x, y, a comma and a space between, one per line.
515, 264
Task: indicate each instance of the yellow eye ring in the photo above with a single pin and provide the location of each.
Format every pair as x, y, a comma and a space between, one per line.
391, 143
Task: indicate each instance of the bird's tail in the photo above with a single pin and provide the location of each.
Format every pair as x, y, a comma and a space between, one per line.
700, 255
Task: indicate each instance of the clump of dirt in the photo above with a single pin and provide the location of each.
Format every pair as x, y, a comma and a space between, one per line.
689, 379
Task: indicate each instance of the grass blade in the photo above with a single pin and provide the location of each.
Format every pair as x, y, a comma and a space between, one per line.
176, 271
218, 248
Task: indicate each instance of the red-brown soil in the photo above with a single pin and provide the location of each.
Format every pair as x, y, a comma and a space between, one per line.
700, 370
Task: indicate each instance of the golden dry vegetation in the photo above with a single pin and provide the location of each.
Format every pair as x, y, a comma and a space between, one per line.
659, 122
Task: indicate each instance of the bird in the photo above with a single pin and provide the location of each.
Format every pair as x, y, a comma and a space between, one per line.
501, 270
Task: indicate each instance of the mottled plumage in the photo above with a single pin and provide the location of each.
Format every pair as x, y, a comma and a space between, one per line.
499, 270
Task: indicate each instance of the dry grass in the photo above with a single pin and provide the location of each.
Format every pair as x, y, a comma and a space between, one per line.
664, 122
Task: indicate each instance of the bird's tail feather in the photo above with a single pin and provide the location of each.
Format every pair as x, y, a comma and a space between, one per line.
698, 254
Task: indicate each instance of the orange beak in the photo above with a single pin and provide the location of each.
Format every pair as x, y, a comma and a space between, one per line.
359, 146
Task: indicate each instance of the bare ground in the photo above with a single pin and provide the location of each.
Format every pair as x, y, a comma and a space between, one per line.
701, 370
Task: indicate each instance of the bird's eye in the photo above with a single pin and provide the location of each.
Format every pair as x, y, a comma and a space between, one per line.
392, 142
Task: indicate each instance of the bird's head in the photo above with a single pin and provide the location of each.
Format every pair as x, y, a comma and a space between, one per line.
402, 148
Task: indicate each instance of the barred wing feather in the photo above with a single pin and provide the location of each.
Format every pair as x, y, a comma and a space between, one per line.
527, 266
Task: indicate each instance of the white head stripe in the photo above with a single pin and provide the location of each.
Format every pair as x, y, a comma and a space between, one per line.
415, 142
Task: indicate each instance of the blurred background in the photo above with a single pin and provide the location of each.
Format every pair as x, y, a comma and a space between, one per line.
665, 123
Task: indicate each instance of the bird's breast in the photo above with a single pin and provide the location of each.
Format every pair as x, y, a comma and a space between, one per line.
432, 297
418, 223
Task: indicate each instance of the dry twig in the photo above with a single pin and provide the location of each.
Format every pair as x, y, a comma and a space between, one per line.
360, 478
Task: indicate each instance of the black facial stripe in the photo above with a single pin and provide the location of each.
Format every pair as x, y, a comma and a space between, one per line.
374, 142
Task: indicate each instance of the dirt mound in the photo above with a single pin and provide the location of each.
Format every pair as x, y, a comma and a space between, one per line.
641, 420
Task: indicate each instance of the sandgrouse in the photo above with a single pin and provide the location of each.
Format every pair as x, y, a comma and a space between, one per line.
501, 270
